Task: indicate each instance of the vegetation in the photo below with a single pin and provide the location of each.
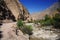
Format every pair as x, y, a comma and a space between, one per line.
24, 28
30, 21
36, 21
54, 21
27, 29
47, 21
20, 23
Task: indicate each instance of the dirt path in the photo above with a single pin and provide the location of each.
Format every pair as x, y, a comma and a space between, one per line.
4, 29
8, 32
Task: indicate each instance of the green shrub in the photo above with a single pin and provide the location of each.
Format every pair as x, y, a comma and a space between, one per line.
27, 29
19, 23
56, 23
24, 28
56, 18
58, 9
47, 17
47, 21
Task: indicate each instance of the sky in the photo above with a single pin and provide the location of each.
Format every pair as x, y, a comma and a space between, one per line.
37, 5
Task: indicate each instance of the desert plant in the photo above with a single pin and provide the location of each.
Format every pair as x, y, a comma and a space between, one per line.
24, 28
27, 29
56, 23
20, 23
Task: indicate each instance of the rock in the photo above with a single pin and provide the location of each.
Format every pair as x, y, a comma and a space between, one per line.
43, 35
13, 10
27, 36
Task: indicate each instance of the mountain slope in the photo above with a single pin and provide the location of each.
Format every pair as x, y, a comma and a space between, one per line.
50, 11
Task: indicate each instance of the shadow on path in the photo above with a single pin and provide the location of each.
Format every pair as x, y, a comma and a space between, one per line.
0, 32
1, 35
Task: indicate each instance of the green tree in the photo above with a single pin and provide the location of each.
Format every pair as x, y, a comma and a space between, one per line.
56, 23
47, 17
47, 21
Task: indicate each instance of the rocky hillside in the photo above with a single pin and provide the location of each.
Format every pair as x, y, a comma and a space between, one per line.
50, 11
12, 10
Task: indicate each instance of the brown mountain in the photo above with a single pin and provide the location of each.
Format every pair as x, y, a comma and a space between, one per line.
49, 11
12, 10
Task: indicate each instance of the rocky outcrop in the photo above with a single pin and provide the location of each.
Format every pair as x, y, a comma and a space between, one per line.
12, 10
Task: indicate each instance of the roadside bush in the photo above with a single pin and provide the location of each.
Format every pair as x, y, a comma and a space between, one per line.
20, 23
26, 29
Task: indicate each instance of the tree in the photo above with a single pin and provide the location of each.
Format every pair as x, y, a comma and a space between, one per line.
56, 18
56, 21
47, 17
47, 21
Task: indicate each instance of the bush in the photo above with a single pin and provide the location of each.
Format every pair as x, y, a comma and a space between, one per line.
47, 21
56, 23
19, 23
35, 21
47, 17
27, 29
24, 28
57, 19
